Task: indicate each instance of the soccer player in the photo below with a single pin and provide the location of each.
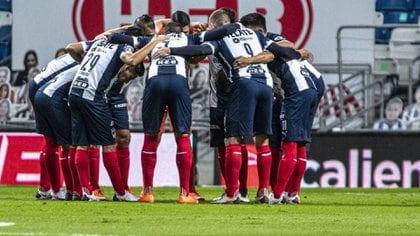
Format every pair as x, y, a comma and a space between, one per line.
300, 104
53, 113
251, 90
91, 118
48, 158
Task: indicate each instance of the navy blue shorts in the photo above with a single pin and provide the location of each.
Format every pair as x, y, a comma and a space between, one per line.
249, 109
217, 127
299, 112
276, 137
171, 91
91, 122
119, 113
40, 125
55, 116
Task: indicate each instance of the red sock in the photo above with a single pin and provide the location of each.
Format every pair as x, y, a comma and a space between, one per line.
148, 161
232, 168
53, 164
113, 169
44, 179
221, 157
275, 154
286, 167
294, 183
65, 169
192, 176
123, 154
243, 173
82, 166
264, 166
77, 188
93, 155
184, 162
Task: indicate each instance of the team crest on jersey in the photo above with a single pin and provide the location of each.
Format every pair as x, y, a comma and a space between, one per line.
305, 72
255, 69
167, 61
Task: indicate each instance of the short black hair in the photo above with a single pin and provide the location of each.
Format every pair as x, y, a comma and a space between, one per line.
181, 17
144, 21
173, 27
231, 13
254, 20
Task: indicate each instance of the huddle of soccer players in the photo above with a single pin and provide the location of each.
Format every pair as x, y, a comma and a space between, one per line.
241, 101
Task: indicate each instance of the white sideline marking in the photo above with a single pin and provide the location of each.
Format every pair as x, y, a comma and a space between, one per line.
5, 224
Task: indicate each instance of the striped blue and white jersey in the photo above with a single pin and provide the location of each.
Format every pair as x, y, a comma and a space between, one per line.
295, 75
100, 65
54, 68
171, 65
386, 125
243, 42
59, 86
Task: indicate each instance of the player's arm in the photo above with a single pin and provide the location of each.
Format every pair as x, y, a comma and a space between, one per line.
76, 50
219, 32
137, 57
186, 51
263, 57
112, 31
119, 38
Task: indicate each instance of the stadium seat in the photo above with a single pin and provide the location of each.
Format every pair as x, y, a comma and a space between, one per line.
382, 35
404, 44
6, 5
5, 18
5, 32
4, 50
400, 17
394, 5
416, 5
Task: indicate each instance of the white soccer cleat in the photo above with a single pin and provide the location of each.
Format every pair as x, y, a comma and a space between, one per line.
42, 194
219, 197
244, 198
224, 199
262, 196
273, 200
127, 197
60, 195
86, 196
292, 198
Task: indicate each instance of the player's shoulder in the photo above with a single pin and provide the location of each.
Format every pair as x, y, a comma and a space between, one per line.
275, 36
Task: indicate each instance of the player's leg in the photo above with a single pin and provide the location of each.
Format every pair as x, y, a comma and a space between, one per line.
263, 128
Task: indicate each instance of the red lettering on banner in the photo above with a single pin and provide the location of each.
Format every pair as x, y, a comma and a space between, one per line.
160, 8
92, 22
14, 164
125, 7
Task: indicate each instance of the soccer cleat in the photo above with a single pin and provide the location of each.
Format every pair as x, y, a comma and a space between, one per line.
273, 200
292, 198
69, 196
86, 196
76, 197
60, 195
42, 194
243, 195
219, 197
127, 197
197, 196
149, 198
244, 198
262, 196
225, 199
187, 199
98, 194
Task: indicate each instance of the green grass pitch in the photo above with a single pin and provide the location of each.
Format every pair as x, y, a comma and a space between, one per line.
322, 212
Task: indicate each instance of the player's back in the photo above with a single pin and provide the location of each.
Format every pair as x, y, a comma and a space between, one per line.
171, 65
60, 85
101, 63
54, 68
243, 42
